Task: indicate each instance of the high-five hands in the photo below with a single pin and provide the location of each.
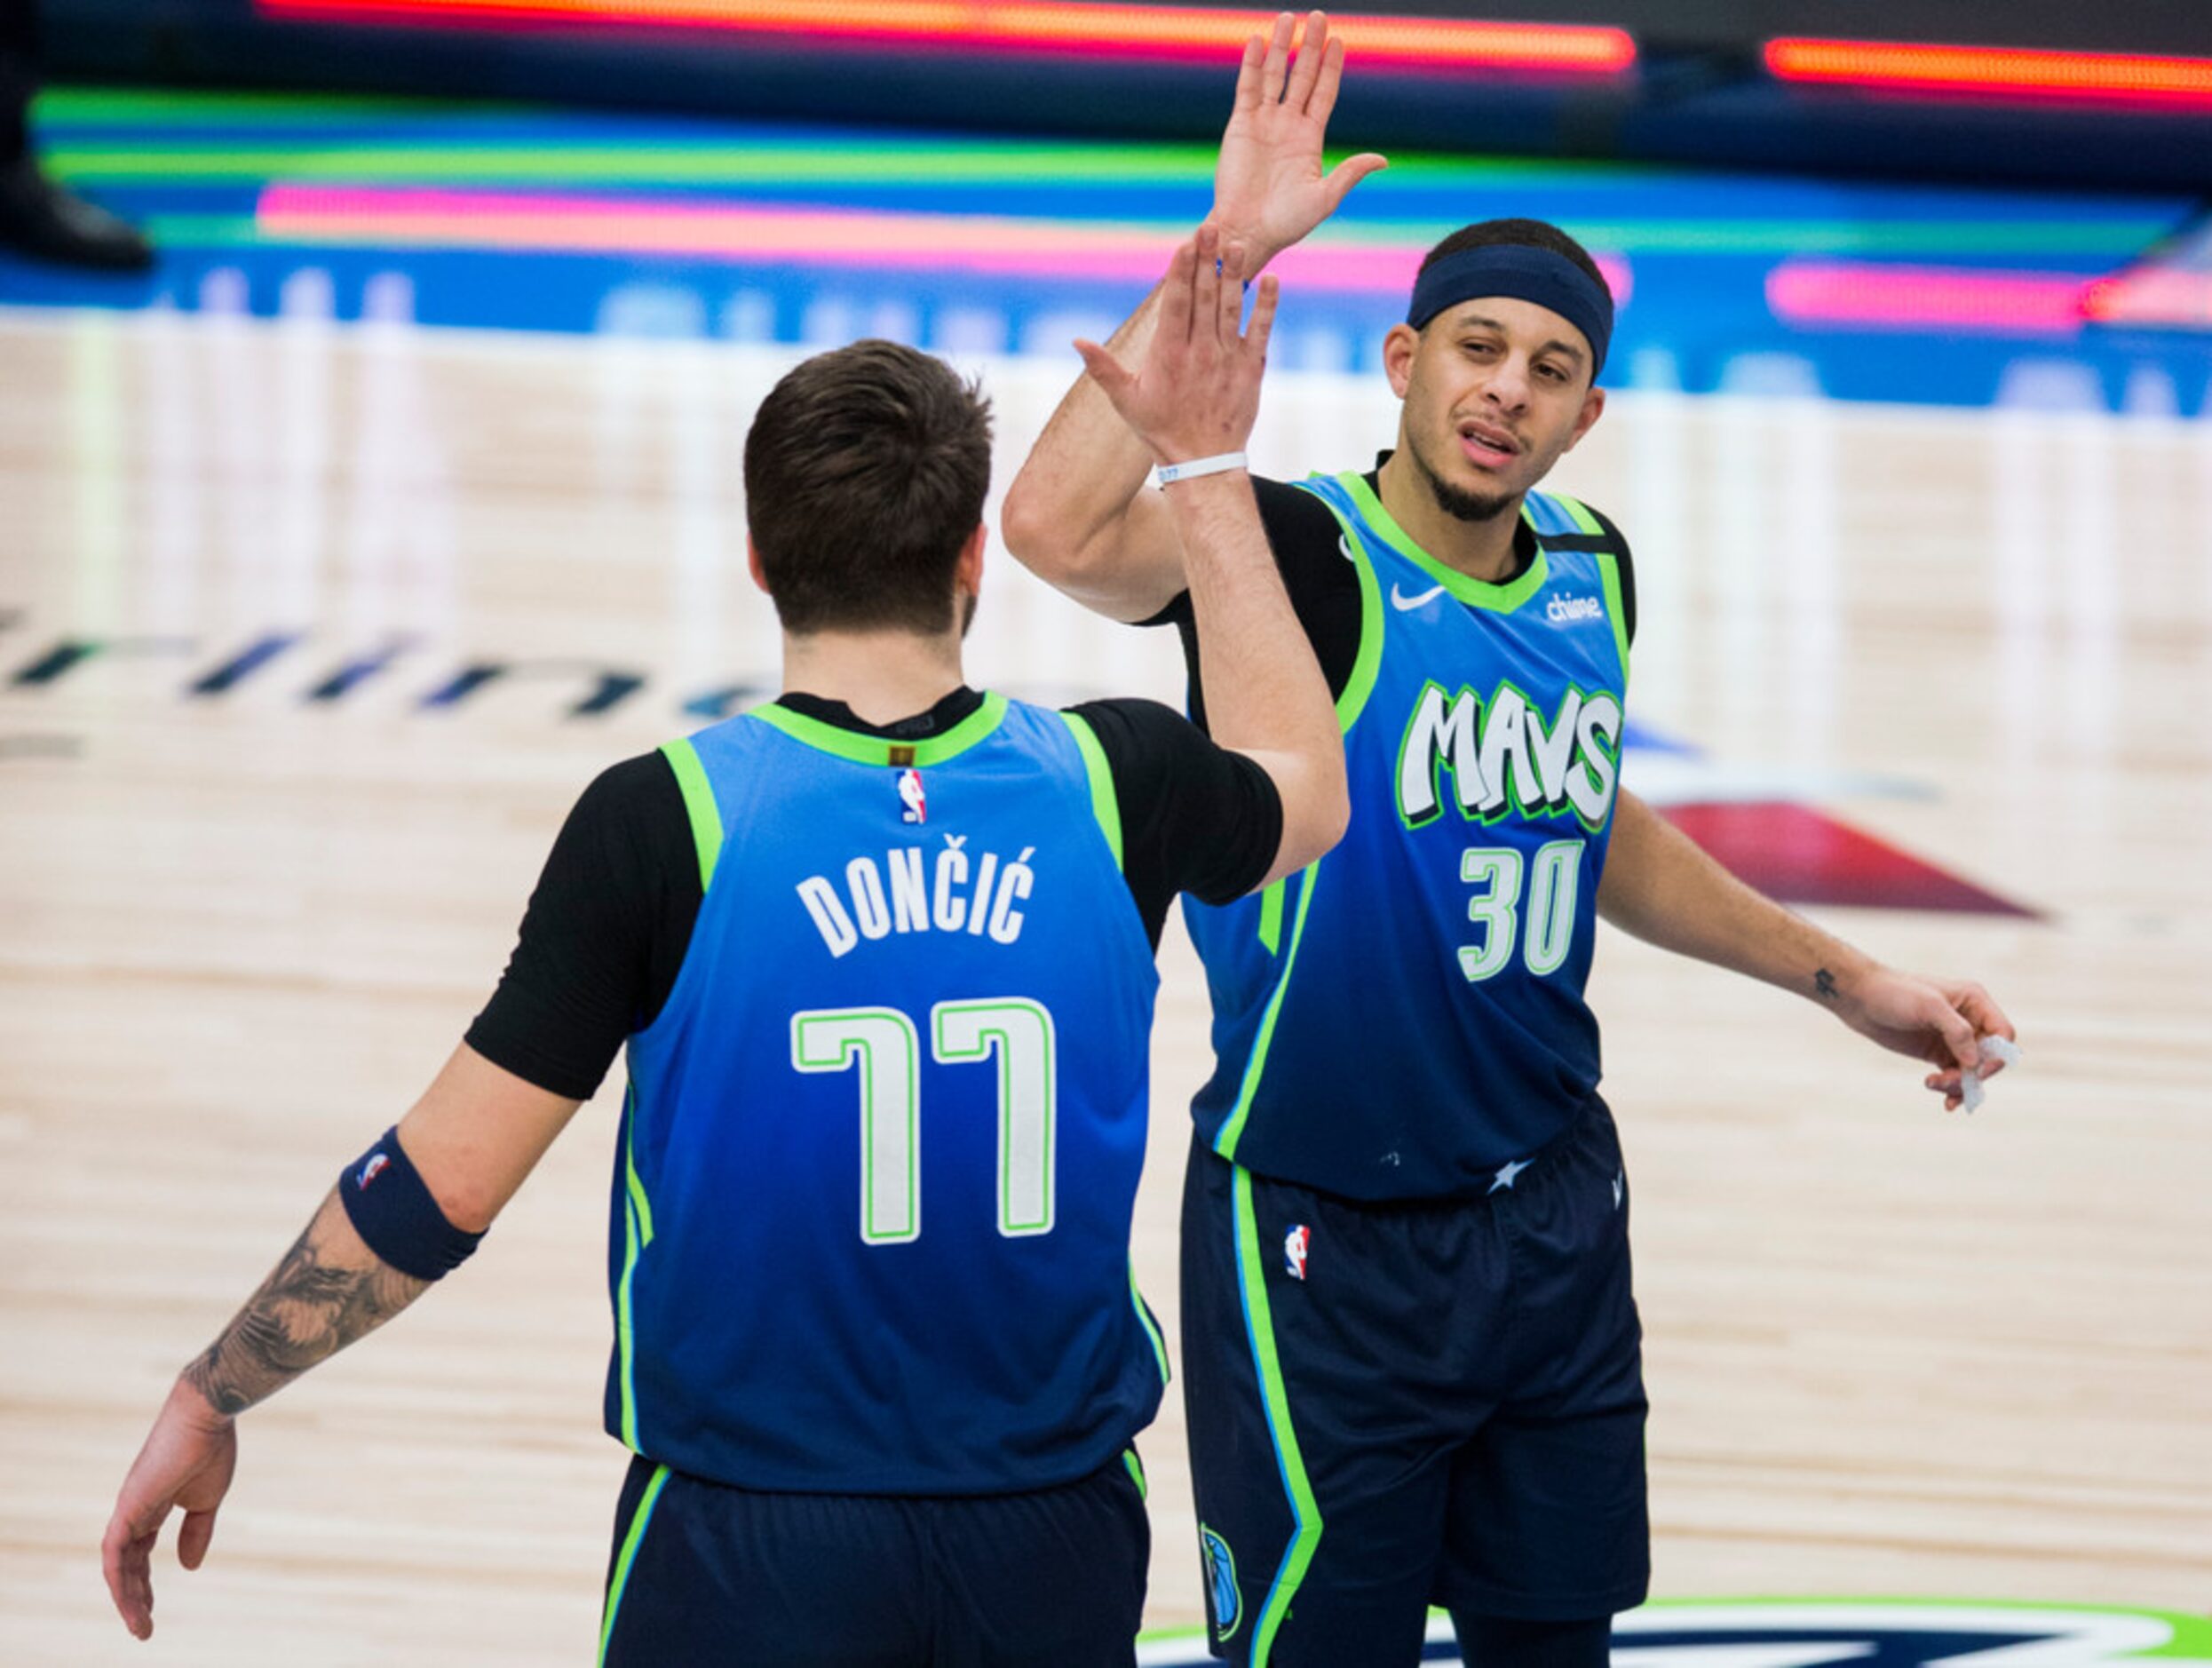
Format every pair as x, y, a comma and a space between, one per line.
1269, 189
1197, 393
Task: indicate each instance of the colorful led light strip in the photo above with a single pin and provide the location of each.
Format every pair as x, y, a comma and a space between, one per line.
1126, 31
1961, 299
2164, 299
2184, 83
758, 235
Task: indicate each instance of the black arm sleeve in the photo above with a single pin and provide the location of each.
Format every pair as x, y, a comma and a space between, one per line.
1196, 817
604, 936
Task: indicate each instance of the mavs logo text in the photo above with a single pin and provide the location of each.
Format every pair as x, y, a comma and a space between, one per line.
1221, 1582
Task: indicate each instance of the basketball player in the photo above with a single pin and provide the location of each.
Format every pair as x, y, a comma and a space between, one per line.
1411, 1354
881, 952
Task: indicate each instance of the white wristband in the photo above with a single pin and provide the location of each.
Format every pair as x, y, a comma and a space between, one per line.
1168, 473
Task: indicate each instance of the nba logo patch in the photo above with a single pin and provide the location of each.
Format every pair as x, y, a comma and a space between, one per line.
911, 796
1294, 1244
372, 1168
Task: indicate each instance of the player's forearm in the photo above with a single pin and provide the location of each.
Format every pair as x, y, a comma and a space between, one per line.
328, 1289
1263, 689
1660, 886
1067, 502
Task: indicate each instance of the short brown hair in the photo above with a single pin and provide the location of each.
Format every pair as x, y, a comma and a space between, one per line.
865, 473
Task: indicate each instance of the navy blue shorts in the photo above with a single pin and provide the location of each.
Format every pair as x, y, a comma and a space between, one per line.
702, 1573
1392, 1406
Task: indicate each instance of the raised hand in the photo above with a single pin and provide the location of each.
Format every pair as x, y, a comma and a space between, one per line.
187, 1462
1197, 393
1269, 189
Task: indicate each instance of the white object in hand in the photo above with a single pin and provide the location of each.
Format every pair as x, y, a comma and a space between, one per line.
1997, 1048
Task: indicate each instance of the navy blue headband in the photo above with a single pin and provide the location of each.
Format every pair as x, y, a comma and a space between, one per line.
1527, 274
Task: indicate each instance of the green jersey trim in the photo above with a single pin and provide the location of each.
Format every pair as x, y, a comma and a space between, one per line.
1136, 1468
698, 805
1305, 1511
877, 750
629, 1554
1609, 569
1578, 510
1271, 918
637, 1235
1475, 593
1152, 1327
1225, 1143
1106, 804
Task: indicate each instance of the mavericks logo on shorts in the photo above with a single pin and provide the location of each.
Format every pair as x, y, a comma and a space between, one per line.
1221, 1582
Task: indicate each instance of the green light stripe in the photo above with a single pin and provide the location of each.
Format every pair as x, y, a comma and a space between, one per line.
1225, 1143
629, 1554
875, 750
1277, 1401
1475, 592
1152, 1327
698, 805
1609, 567
1105, 804
1271, 918
1136, 1467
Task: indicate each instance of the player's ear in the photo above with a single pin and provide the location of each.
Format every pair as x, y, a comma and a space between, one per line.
968, 571
1593, 408
752, 565
1399, 348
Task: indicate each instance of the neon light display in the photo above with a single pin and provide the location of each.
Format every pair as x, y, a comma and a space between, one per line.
1957, 300
1895, 66
1382, 41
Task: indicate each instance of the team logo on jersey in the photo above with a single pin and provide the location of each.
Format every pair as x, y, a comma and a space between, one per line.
910, 795
374, 1168
1221, 1582
1840, 1633
1502, 756
1294, 1244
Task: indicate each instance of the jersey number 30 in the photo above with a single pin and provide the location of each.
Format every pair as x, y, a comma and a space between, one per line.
1556, 875
883, 1042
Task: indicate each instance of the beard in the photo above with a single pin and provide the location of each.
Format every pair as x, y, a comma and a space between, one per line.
1457, 501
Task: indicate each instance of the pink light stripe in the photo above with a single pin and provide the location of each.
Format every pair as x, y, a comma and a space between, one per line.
753, 235
1923, 297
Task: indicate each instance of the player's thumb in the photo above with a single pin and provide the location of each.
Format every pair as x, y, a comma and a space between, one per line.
1958, 1037
1105, 369
192, 1539
1349, 173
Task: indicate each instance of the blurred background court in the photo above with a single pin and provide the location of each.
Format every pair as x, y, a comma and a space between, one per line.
340, 551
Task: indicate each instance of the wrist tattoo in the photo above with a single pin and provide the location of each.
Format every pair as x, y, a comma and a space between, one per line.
306, 1311
1824, 981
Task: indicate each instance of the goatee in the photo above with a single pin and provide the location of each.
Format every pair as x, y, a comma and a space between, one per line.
1459, 504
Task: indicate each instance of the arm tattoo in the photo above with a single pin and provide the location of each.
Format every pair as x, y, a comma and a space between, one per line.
307, 1309
1824, 981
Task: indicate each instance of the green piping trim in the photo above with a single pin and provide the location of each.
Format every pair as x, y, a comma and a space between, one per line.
629, 1554
1225, 1143
1151, 1326
1136, 1467
1106, 804
877, 749
1260, 1323
1475, 592
1609, 569
1354, 699
698, 805
1580, 511
1271, 918
637, 1235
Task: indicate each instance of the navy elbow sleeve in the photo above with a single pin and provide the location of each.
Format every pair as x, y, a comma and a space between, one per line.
391, 1209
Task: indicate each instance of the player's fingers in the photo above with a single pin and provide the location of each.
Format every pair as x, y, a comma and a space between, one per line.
126, 1560
1349, 173
1276, 64
1263, 325
1206, 285
1987, 1017
1323, 105
1306, 69
193, 1540
1105, 370
1958, 1037
1248, 72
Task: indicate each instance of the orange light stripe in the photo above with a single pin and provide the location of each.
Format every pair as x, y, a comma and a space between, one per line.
1993, 70
1440, 42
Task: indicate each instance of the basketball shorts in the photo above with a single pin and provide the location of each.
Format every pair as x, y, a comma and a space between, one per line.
1398, 1405
702, 1573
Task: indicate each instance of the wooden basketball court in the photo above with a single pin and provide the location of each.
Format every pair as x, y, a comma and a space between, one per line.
1889, 1352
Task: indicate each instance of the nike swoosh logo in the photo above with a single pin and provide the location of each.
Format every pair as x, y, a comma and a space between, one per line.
1405, 604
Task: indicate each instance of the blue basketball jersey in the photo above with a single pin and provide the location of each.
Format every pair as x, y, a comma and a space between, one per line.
880, 1152
1406, 1016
